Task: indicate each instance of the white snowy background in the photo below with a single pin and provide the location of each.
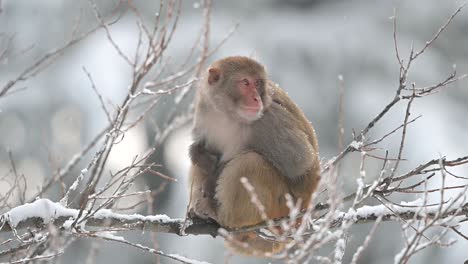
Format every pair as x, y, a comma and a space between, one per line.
305, 46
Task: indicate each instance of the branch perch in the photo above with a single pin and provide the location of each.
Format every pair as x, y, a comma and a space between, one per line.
43, 212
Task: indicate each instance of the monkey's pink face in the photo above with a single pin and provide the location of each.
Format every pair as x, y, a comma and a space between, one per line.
251, 105
241, 93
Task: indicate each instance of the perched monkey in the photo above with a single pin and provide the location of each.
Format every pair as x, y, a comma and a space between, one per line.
246, 126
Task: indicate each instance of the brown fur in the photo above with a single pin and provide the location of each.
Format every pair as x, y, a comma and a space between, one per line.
277, 153
240, 211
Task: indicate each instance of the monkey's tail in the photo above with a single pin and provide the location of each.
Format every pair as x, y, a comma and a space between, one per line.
251, 244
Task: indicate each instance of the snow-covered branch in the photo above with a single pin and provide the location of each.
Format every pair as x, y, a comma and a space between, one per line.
43, 212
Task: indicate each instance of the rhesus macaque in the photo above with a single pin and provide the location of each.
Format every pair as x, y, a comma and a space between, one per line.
247, 126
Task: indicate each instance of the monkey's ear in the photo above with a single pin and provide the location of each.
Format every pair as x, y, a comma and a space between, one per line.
214, 74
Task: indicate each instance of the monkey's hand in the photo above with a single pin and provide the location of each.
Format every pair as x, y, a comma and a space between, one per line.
202, 207
206, 160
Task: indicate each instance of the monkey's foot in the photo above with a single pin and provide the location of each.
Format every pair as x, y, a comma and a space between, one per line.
202, 208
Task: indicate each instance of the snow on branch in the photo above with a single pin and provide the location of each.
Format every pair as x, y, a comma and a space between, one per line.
42, 212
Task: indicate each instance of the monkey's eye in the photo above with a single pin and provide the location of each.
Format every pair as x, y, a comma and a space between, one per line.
246, 82
258, 82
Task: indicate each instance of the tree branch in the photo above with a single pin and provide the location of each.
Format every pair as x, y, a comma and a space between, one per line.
43, 212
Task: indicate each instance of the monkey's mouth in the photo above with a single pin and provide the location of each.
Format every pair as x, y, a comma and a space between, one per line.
251, 113
253, 109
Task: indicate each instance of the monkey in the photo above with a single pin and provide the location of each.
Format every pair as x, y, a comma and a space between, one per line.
247, 126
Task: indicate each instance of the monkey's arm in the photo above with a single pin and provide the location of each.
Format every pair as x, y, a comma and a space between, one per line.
294, 151
291, 152
202, 181
205, 159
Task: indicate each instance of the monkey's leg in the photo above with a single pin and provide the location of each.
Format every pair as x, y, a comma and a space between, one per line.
201, 200
203, 179
235, 208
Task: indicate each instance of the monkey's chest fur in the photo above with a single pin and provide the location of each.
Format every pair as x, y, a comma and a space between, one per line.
224, 136
274, 136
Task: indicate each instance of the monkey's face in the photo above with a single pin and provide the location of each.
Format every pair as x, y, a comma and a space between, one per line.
238, 89
249, 104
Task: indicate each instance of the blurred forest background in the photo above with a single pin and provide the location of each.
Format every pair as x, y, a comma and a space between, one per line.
305, 45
